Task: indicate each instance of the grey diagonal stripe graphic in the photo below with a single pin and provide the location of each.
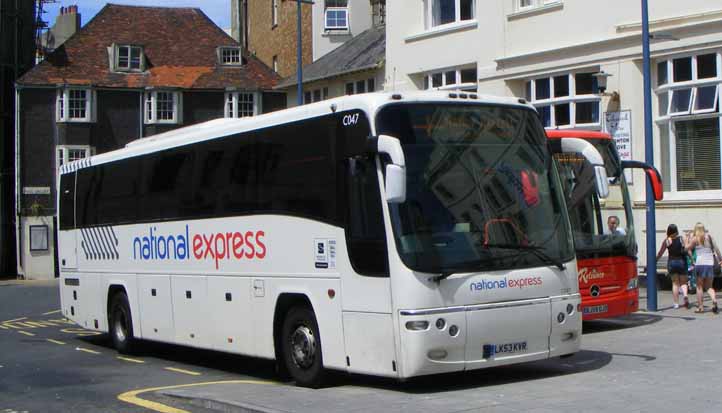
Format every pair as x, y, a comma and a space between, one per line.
84, 245
100, 243
112, 242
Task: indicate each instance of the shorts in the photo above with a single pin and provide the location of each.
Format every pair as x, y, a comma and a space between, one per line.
677, 266
704, 271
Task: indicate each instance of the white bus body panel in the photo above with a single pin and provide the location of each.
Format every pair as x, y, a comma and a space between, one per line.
370, 343
68, 255
229, 328
278, 254
190, 314
154, 296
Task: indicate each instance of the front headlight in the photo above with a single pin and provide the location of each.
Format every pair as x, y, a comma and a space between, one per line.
633, 283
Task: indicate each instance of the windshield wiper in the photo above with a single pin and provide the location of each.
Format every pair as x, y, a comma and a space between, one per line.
468, 266
534, 249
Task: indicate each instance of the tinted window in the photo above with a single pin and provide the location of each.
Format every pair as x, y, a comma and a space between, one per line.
366, 236
67, 198
288, 169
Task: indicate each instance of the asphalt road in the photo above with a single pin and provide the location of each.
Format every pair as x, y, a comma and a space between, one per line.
664, 362
48, 364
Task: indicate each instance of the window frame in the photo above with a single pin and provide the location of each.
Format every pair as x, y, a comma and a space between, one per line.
116, 62
62, 105
457, 85
571, 98
274, 13
534, 4
62, 154
368, 82
668, 120
221, 57
346, 12
150, 107
310, 95
430, 5
234, 112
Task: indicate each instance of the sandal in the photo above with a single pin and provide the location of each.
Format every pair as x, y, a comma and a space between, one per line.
699, 310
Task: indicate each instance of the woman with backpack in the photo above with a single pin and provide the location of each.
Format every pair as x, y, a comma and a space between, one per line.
676, 264
707, 253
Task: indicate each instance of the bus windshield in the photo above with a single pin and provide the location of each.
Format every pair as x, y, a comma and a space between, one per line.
599, 230
482, 190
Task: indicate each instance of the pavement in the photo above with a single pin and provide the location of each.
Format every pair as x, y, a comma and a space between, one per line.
666, 361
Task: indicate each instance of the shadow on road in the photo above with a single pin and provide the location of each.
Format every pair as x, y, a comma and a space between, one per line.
628, 321
580, 362
216, 360
264, 369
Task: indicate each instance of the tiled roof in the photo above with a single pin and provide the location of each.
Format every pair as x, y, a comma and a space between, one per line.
365, 51
179, 46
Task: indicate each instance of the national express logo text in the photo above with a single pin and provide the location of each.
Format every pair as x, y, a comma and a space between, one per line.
503, 283
218, 247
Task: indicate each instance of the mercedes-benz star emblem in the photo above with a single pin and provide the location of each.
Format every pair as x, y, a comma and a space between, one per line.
594, 291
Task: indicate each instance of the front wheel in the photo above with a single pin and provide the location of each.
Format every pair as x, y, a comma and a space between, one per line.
121, 325
301, 347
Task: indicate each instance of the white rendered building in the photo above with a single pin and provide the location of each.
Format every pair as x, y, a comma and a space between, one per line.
555, 54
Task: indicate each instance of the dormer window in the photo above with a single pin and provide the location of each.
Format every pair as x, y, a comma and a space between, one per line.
128, 58
230, 56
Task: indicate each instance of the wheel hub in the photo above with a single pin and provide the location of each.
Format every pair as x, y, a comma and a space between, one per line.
303, 346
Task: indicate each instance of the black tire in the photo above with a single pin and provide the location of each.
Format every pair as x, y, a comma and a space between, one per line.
301, 347
120, 325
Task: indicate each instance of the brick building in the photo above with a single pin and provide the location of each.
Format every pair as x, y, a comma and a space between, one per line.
129, 73
268, 29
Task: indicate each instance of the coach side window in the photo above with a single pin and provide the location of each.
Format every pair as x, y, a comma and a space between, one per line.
366, 236
118, 192
67, 201
168, 186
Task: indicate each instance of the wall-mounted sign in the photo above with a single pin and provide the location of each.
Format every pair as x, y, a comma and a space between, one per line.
619, 125
36, 190
39, 238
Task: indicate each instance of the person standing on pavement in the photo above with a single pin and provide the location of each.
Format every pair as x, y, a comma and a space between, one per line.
676, 264
704, 247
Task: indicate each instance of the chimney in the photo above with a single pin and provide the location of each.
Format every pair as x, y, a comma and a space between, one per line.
239, 21
66, 24
378, 12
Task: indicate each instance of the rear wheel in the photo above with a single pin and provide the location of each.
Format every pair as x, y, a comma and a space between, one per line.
301, 347
121, 325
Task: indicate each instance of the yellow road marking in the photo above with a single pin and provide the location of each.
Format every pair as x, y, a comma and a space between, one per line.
40, 324
52, 312
55, 341
130, 360
87, 350
26, 333
192, 373
132, 396
14, 319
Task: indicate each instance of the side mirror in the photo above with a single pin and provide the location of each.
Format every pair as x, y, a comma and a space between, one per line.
655, 179
396, 171
591, 154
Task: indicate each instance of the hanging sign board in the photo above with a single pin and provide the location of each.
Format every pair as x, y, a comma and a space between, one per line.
619, 126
